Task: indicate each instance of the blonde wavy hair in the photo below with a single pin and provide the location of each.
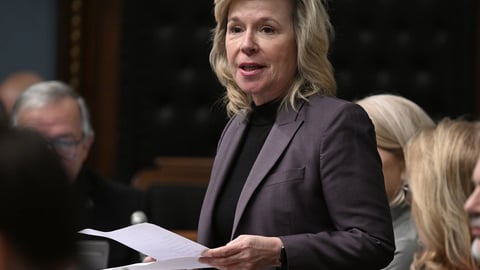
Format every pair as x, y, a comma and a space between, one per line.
396, 120
440, 163
314, 71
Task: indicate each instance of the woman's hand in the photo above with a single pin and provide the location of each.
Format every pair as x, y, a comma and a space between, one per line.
148, 259
245, 252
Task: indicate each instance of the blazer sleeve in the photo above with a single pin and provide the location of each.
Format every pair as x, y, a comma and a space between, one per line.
354, 192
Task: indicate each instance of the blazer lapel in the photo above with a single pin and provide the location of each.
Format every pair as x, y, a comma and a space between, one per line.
232, 141
221, 166
283, 130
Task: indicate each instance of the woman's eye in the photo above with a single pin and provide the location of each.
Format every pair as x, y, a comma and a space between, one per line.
267, 30
234, 29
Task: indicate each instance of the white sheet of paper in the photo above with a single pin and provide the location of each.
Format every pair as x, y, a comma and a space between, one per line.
172, 251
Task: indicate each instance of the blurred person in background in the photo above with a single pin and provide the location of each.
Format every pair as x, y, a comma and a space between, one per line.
55, 110
472, 206
396, 120
14, 84
440, 162
38, 222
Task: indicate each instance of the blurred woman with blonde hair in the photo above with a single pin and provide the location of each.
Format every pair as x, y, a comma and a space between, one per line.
397, 119
440, 162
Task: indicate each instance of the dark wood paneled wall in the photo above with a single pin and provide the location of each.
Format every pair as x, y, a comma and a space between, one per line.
89, 34
88, 58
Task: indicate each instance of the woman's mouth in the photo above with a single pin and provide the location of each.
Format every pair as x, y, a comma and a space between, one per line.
250, 67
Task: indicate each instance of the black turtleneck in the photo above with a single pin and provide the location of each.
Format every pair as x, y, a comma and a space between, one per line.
260, 122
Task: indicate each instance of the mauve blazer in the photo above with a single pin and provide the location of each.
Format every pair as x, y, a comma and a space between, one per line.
317, 184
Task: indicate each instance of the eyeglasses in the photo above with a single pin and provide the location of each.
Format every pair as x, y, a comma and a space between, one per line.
66, 148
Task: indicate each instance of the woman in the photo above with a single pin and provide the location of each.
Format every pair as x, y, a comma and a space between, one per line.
297, 180
396, 120
440, 162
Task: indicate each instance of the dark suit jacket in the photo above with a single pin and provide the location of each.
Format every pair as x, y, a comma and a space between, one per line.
317, 183
106, 205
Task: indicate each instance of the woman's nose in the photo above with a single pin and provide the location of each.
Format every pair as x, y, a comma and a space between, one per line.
249, 45
472, 200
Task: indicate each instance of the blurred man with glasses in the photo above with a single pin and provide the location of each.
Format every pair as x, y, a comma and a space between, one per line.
55, 110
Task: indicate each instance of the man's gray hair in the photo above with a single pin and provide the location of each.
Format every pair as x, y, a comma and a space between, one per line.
43, 93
